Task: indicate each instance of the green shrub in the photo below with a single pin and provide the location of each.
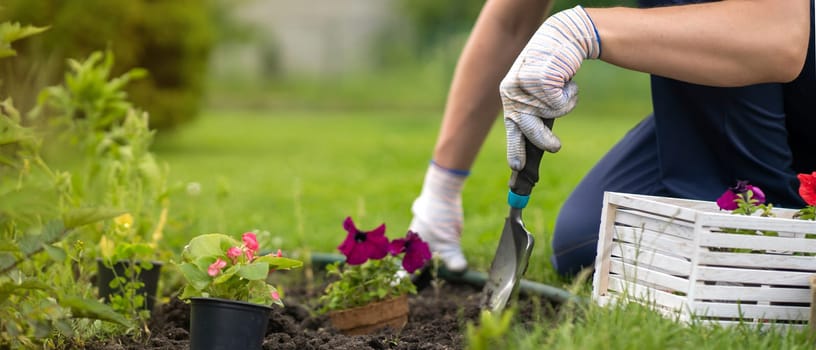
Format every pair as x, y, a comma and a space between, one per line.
170, 39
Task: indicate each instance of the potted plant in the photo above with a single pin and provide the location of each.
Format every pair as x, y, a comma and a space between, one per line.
127, 272
371, 290
129, 259
228, 290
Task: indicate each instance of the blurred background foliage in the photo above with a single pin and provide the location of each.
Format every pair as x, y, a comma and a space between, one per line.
170, 39
255, 54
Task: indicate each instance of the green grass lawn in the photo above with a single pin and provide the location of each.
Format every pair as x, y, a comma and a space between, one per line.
295, 174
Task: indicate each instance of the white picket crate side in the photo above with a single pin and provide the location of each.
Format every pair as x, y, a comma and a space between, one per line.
674, 255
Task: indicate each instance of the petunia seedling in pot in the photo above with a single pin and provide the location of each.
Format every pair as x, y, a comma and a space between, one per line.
375, 269
219, 266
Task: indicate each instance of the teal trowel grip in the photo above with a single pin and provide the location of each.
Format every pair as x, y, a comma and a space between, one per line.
516, 200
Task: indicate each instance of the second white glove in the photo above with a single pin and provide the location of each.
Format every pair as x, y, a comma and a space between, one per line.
438, 216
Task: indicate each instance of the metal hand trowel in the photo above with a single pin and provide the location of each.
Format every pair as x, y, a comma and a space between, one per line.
516, 243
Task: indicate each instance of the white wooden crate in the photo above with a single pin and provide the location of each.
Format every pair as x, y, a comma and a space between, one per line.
674, 255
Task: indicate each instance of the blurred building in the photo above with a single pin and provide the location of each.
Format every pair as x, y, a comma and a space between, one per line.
316, 37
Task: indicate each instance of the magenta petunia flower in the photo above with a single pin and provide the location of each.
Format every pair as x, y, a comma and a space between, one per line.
360, 246
728, 200
215, 268
417, 252
250, 241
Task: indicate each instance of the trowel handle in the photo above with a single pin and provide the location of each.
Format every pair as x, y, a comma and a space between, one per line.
522, 182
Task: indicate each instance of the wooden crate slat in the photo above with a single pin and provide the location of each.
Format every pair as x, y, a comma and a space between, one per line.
756, 276
633, 254
741, 293
646, 239
771, 261
648, 204
701, 207
644, 275
757, 223
769, 312
647, 294
655, 223
756, 242
765, 326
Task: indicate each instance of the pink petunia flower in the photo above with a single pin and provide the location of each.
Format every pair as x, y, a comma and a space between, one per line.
215, 268
250, 241
360, 246
417, 252
275, 295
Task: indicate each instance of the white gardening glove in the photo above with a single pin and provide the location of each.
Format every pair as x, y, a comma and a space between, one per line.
539, 84
438, 217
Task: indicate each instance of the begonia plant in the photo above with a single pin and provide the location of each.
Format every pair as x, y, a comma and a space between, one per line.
219, 266
375, 269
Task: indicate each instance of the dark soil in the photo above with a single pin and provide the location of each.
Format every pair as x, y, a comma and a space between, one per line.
437, 320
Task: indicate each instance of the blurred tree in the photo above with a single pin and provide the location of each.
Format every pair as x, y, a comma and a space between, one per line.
172, 40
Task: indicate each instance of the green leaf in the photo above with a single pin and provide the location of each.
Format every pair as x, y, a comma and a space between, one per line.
8, 246
226, 275
83, 216
212, 244
9, 288
279, 263
89, 308
254, 271
196, 278
55, 253
189, 292
10, 32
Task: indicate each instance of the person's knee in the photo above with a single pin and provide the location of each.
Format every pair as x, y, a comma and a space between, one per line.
568, 260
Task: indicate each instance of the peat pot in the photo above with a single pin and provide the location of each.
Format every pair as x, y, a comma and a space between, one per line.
221, 324
369, 318
150, 278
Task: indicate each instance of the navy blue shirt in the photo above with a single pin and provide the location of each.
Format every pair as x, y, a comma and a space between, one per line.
709, 137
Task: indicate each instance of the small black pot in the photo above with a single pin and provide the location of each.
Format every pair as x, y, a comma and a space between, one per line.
150, 278
221, 324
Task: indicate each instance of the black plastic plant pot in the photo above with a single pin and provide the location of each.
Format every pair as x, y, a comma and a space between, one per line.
221, 324
150, 278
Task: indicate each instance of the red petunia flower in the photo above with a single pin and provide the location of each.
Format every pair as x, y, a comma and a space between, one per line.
416, 251
360, 246
807, 187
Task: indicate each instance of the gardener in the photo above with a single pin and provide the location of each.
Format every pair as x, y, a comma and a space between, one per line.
733, 96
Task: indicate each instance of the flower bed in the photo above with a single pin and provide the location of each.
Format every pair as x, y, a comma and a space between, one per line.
684, 257
436, 321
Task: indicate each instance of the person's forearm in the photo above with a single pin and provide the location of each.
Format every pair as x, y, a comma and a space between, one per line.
502, 30
728, 43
